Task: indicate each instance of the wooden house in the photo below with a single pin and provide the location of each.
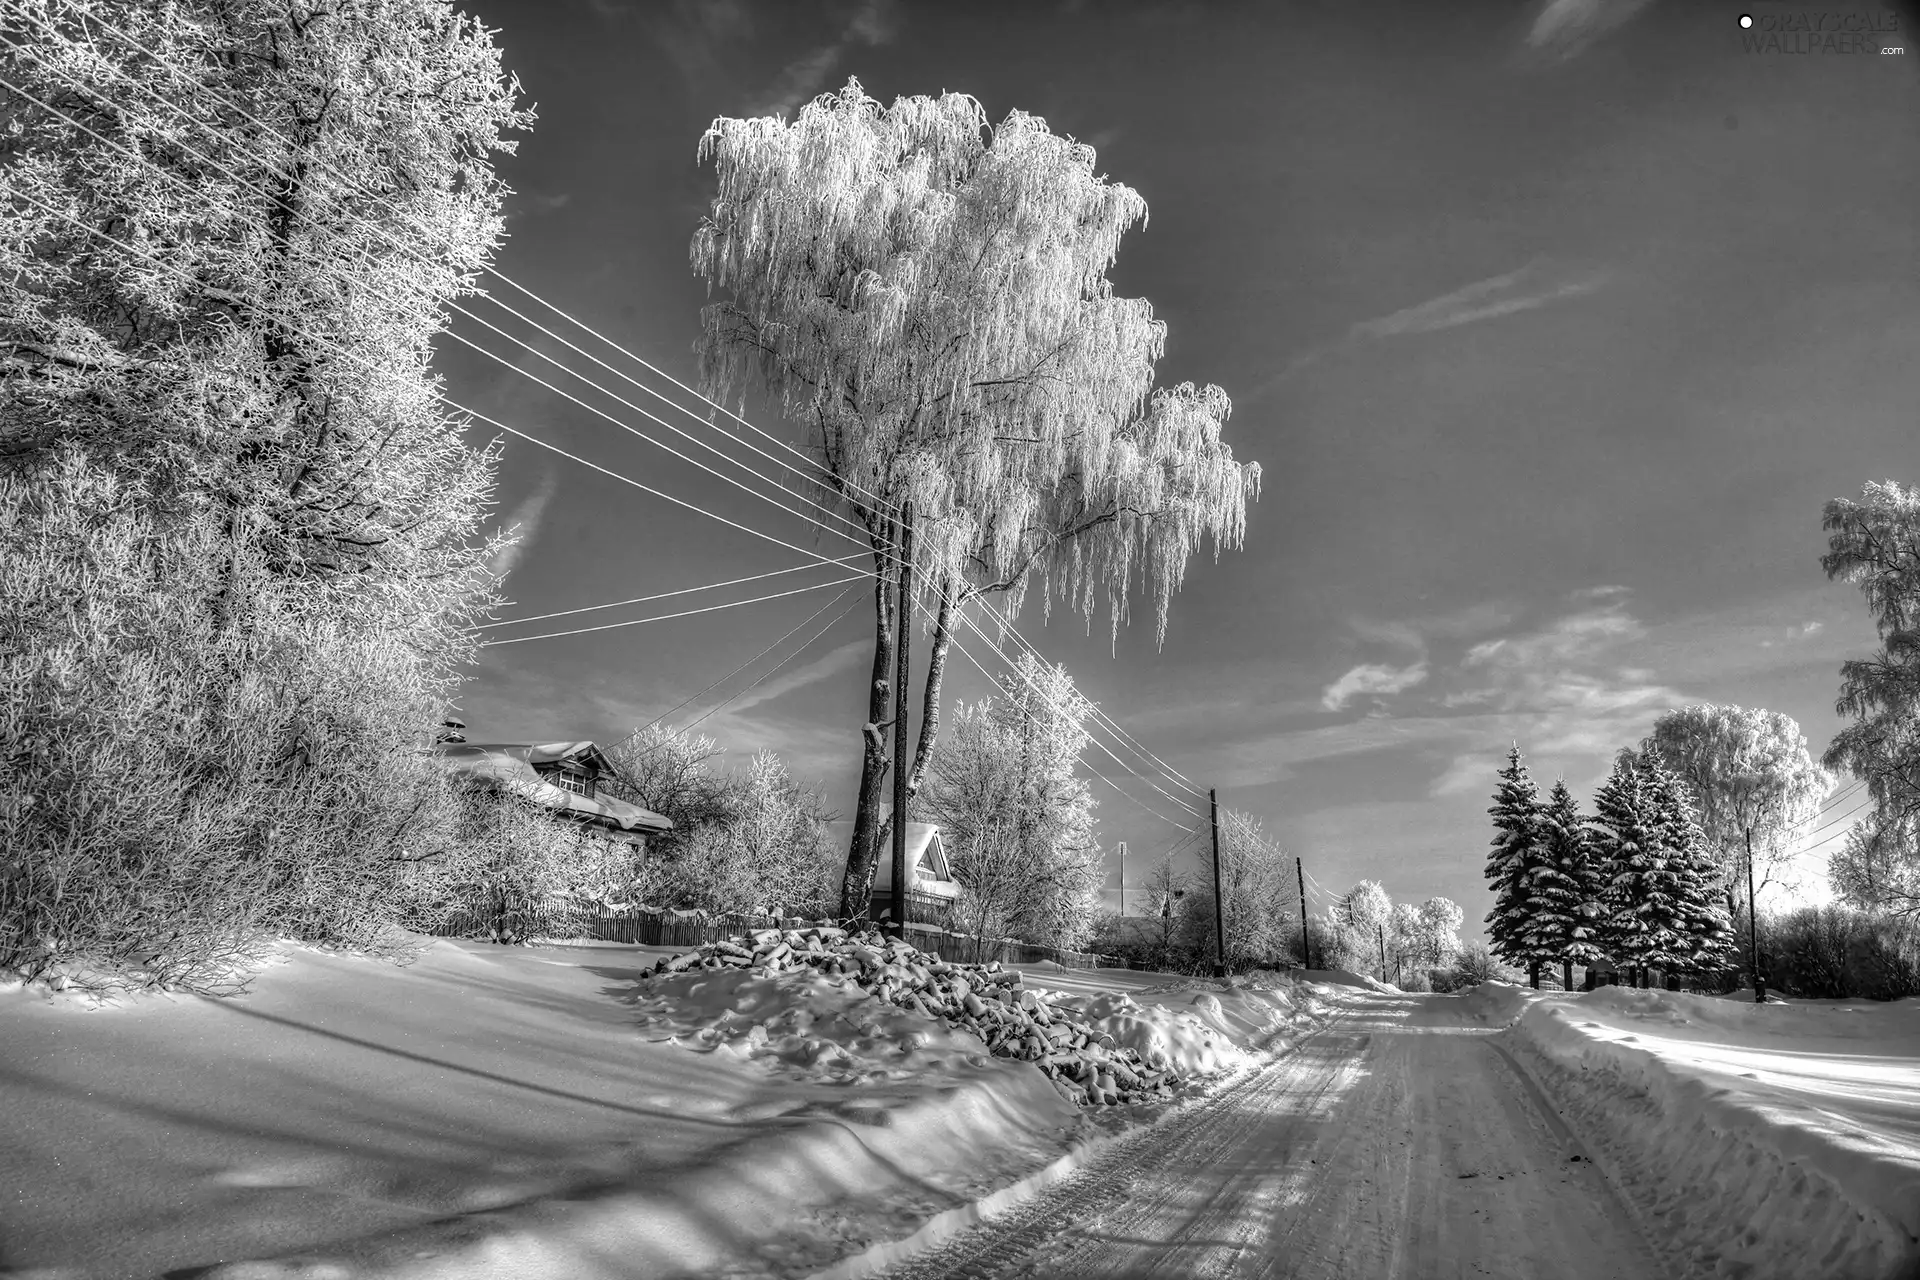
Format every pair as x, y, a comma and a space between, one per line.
562, 776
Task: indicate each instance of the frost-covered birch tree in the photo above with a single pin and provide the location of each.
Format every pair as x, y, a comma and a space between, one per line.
926, 298
1875, 544
237, 530
1018, 820
1752, 785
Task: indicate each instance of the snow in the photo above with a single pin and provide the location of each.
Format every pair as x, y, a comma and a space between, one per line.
1781, 1139
566, 1112
534, 1112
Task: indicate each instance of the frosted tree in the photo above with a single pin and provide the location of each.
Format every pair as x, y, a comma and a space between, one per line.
1701, 919
228, 231
1875, 544
1257, 887
1755, 791
926, 298
1516, 852
1018, 820
1437, 939
1567, 888
1642, 924
1751, 784
1365, 911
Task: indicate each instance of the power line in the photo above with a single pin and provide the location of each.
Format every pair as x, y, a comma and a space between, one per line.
1100, 715
360, 188
668, 617
1120, 734
737, 670
975, 627
684, 591
782, 663
465, 341
573, 457
1142, 805
438, 395
1173, 775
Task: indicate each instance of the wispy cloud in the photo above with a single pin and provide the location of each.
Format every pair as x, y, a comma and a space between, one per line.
1534, 285
525, 522
1565, 28
1376, 678
1537, 284
822, 668
804, 77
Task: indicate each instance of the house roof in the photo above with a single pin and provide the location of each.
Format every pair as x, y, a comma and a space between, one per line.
511, 765
928, 869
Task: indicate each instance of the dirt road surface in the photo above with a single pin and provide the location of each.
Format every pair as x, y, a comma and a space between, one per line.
1398, 1144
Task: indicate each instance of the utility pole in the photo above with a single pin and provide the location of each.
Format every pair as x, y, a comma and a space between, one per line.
1219, 907
1753, 930
1123, 878
1306, 953
903, 673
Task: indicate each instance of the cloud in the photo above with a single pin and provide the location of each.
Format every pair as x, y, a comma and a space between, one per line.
533, 204
527, 518
1565, 28
803, 78
1372, 678
1523, 289
822, 668
1518, 290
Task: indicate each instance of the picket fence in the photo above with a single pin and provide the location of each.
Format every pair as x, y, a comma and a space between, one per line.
569, 923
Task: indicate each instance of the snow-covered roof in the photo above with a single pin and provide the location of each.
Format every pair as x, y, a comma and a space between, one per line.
928, 869
511, 765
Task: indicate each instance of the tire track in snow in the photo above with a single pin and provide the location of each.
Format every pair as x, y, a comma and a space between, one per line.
1040, 1236
1397, 1142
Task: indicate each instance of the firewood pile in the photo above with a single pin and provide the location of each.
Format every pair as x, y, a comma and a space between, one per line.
987, 1000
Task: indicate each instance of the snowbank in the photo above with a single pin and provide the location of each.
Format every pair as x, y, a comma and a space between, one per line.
1777, 1140
1496, 1003
543, 1112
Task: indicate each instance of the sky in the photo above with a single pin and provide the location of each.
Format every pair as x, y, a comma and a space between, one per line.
1553, 327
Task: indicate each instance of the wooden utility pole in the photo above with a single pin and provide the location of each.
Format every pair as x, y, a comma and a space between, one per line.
1753, 930
1219, 906
1123, 878
1306, 953
903, 673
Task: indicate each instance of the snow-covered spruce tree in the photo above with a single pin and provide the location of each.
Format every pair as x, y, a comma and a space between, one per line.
927, 299
1516, 852
1641, 927
1705, 931
1566, 887
236, 528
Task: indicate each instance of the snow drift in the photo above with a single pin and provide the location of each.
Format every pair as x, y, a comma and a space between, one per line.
543, 1112
1757, 1141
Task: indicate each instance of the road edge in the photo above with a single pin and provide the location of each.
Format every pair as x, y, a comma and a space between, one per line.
948, 1223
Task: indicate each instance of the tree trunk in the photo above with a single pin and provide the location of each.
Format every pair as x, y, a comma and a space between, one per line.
1533, 974
856, 887
1566, 975
930, 696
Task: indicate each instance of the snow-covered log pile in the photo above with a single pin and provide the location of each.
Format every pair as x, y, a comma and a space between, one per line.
991, 1002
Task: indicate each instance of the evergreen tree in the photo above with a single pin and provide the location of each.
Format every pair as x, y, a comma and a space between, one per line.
1641, 911
1704, 928
1515, 853
1567, 888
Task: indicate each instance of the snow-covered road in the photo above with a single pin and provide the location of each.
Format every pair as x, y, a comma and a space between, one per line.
1399, 1142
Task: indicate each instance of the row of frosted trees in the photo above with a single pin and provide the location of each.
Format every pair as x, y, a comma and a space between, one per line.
1632, 884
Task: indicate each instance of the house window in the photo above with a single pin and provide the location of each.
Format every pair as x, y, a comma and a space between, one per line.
578, 783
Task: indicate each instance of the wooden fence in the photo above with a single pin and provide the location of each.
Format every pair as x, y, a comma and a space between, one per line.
561, 922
